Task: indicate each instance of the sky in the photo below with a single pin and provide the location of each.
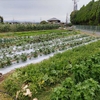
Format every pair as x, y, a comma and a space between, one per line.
38, 10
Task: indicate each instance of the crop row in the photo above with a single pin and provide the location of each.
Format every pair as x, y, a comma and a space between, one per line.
19, 41
37, 45
53, 71
21, 54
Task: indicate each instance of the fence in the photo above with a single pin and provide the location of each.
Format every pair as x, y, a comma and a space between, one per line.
88, 28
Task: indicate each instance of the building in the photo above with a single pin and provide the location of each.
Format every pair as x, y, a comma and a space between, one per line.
54, 21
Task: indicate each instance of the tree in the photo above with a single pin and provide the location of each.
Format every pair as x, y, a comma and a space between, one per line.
73, 17
43, 22
1, 19
87, 15
98, 13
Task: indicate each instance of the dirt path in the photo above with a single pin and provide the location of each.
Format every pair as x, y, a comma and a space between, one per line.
4, 76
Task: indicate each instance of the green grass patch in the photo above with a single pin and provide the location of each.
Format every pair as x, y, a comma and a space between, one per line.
30, 33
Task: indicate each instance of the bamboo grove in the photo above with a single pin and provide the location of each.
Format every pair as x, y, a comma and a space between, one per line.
87, 15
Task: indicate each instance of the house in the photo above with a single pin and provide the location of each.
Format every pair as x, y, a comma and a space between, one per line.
54, 21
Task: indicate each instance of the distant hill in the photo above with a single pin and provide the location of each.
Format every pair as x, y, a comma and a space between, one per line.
87, 15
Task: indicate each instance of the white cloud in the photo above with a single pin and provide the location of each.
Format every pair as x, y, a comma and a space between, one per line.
36, 10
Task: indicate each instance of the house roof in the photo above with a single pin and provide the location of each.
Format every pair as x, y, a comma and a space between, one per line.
53, 19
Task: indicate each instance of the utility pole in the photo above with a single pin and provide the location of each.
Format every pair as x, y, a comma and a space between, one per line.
75, 5
66, 18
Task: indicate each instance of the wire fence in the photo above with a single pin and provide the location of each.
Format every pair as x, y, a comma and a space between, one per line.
88, 28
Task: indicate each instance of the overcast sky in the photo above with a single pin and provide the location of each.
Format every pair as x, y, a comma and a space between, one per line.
37, 10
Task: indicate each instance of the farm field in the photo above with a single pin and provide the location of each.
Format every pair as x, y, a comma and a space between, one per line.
15, 51
70, 48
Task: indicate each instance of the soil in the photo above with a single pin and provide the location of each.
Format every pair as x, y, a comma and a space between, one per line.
4, 76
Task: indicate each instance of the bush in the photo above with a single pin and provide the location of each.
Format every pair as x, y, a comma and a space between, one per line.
26, 27
86, 90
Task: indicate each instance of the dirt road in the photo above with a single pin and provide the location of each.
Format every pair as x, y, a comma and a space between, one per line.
89, 32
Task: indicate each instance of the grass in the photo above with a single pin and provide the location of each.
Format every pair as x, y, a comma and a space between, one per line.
29, 33
4, 96
45, 95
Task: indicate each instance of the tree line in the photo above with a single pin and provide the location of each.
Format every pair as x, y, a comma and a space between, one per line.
87, 15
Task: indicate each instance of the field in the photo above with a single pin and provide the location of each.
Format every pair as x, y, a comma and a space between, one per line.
61, 77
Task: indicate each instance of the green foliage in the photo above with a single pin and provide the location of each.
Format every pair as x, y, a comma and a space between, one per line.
60, 93
43, 22
83, 84
64, 91
87, 15
1, 19
4, 28
30, 33
73, 17
87, 90
23, 57
26, 27
53, 71
79, 73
